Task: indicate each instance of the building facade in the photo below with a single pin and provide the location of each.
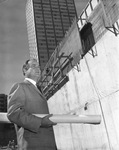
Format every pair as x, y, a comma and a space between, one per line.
3, 103
47, 23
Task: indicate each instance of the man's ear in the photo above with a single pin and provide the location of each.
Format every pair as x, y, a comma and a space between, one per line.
25, 70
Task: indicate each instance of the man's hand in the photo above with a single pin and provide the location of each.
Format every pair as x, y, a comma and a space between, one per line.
46, 122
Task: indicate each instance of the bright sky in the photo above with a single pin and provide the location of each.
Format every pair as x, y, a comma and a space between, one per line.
13, 43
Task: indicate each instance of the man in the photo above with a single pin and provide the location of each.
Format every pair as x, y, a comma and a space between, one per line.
24, 100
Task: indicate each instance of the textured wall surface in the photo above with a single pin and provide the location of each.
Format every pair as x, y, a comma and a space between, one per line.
97, 83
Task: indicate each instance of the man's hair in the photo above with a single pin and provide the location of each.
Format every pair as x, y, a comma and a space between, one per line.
25, 67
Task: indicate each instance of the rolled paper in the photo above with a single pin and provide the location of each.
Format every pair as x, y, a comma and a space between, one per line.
66, 118
63, 118
3, 118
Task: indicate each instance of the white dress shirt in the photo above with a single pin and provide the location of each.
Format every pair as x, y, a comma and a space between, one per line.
32, 81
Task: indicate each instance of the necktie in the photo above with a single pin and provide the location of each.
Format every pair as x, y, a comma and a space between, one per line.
39, 88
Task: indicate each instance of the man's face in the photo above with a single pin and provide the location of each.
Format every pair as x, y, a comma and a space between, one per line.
34, 71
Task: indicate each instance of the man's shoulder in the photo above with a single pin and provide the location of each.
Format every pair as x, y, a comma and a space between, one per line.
16, 85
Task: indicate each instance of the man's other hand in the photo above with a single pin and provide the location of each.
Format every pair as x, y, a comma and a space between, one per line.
46, 122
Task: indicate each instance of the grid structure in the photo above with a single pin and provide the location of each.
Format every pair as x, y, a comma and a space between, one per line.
3, 103
47, 23
31, 30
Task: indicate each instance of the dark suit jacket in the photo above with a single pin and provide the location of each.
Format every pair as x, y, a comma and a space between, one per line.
25, 100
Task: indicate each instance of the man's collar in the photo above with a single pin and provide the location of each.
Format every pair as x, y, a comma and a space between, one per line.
32, 81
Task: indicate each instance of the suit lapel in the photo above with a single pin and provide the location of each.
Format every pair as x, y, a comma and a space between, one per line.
33, 86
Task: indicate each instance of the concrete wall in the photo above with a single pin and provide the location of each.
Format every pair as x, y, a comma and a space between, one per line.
97, 83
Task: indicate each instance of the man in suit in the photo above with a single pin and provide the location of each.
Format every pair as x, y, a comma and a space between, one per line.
24, 100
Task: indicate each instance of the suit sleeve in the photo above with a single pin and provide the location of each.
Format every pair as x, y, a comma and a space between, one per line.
16, 110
